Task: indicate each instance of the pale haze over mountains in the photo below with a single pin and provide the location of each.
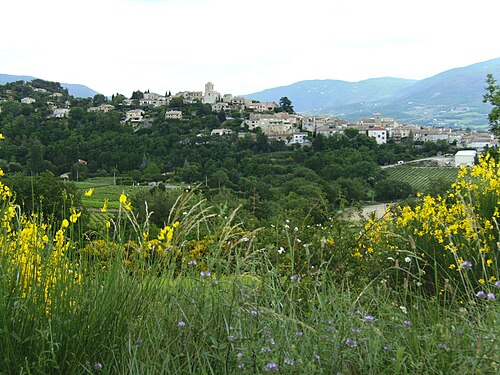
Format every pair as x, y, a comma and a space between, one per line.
452, 98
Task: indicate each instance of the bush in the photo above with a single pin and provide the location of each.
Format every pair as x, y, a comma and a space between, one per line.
446, 245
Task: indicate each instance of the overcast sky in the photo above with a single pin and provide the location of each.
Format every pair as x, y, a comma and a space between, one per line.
241, 46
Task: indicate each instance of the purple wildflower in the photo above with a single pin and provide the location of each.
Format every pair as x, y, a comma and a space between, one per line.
271, 341
181, 324
295, 279
289, 361
239, 355
192, 263
272, 367
299, 333
442, 346
497, 284
266, 349
231, 338
254, 313
97, 366
408, 323
490, 296
481, 294
351, 343
387, 347
317, 358
205, 274
369, 319
466, 264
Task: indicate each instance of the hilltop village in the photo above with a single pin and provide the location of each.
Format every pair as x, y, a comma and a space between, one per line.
276, 122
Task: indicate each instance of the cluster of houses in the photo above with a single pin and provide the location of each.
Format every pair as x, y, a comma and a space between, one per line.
282, 126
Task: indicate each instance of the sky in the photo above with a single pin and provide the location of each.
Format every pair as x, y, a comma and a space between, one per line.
119, 46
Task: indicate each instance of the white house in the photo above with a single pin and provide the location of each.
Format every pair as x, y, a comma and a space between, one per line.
259, 107
222, 131
189, 97
173, 114
152, 99
379, 133
465, 157
298, 138
220, 106
60, 112
134, 115
102, 108
28, 100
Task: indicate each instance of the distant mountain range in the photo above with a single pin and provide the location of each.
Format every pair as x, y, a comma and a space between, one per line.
78, 91
453, 98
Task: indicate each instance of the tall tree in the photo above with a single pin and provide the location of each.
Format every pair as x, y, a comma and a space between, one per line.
98, 99
286, 105
492, 96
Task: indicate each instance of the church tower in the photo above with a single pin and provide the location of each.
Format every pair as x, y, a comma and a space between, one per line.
210, 96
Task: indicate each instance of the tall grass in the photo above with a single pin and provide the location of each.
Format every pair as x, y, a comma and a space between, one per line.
207, 296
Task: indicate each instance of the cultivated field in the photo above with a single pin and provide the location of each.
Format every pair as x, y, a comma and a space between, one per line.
422, 178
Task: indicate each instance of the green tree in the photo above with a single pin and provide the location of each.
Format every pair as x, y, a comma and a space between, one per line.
152, 172
45, 194
99, 99
492, 96
389, 190
117, 99
137, 95
155, 202
286, 105
176, 102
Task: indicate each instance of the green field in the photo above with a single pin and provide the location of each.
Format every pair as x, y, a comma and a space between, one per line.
422, 178
104, 188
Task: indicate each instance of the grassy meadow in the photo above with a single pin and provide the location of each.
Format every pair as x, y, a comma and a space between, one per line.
105, 189
411, 293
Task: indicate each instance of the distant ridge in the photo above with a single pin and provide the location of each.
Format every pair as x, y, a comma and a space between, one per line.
76, 90
452, 98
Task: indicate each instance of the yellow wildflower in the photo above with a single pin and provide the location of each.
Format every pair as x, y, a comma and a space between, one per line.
2, 136
481, 281
104, 206
123, 198
89, 192
74, 216
65, 223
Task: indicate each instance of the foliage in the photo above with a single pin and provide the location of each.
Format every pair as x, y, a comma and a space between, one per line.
492, 96
45, 195
391, 190
205, 295
285, 105
446, 245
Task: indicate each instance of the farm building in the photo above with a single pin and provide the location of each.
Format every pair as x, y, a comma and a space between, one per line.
465, 157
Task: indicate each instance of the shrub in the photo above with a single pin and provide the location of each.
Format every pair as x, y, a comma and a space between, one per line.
446, 245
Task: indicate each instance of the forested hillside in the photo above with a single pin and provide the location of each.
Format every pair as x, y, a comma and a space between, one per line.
266, 177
